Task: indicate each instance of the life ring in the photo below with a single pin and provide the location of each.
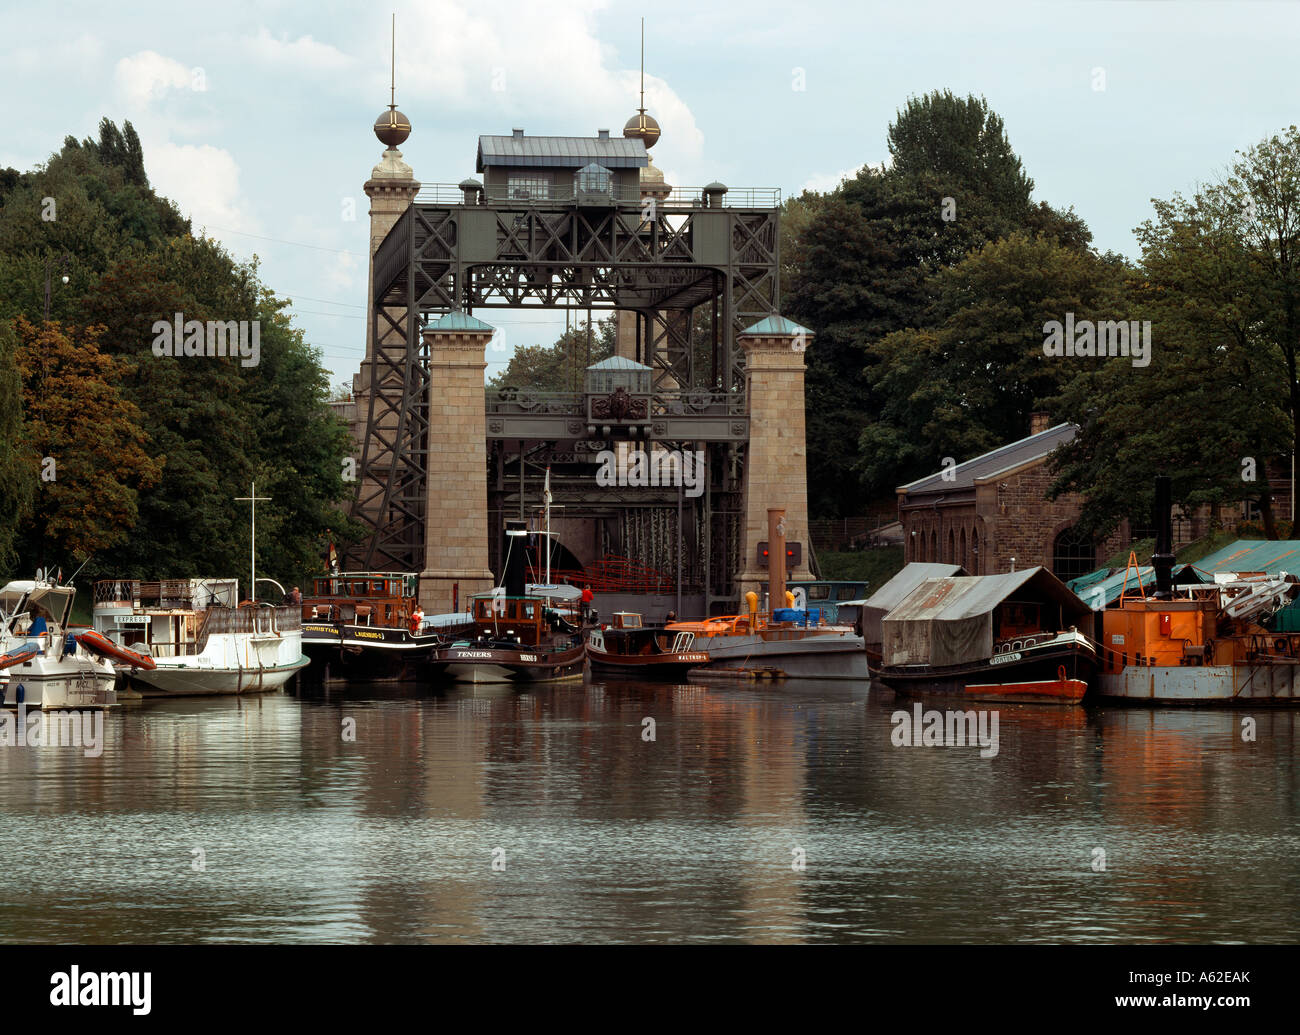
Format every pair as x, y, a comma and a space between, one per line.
1279, 645
98, 643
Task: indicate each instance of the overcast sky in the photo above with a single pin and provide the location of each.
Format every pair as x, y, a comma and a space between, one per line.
255, 117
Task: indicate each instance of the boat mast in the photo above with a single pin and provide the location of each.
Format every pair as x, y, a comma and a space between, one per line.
546, 495
252, 550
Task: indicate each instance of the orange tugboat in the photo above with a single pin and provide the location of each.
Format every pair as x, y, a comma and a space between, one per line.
1202, 644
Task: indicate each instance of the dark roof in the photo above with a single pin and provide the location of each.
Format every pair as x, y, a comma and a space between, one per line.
1005, 458
564, 152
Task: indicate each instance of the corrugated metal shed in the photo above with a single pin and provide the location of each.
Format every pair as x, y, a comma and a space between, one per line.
988, 465
893, 592
949, 621
562, 152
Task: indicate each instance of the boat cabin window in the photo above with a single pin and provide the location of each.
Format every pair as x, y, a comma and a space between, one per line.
626, 620
1019, 618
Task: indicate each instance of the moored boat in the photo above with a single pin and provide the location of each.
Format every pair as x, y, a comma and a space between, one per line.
889, 596
626, 647
518, 639
195, 638
1200, 643
366, 626
795, 643
1012, 637
45, 667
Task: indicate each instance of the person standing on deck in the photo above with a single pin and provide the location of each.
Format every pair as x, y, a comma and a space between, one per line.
587, 598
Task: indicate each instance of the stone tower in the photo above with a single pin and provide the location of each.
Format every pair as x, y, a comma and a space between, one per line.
776, 472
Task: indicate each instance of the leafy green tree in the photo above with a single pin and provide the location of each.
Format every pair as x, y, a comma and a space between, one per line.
558, 367
1220, 283
967, 382
865, 263
211, 423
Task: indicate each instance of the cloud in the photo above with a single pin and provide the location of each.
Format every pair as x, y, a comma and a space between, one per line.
302, 53
203, 181
148, 76
541, 66
823, 182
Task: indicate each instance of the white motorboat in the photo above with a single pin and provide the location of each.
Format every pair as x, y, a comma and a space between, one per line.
200, 641
41, 663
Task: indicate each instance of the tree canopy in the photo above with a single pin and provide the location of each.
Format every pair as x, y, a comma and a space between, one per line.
150, 451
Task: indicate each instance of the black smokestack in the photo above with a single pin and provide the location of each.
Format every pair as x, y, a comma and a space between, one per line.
516, 568
1163, 559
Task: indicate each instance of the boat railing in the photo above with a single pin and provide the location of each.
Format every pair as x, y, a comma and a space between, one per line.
164, 594
742, 625
264, 621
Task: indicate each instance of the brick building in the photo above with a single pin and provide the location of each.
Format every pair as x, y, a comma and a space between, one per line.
986, 512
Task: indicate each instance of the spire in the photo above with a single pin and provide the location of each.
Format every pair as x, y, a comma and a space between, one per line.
641, 126
392, 127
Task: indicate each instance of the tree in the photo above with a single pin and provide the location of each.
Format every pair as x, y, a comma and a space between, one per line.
558, 367
1218, 280
967, 382
86, 438
212, 423
17, 472
866, 258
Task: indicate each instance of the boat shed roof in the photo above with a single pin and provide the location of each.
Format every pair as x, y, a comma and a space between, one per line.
1103, 587
994, 463
959, 597
892, 593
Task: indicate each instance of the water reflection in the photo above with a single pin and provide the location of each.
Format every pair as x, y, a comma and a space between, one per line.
403, 813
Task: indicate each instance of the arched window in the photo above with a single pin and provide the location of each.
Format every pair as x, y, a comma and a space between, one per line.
961, 557
934, 545
1073, 554
952, 548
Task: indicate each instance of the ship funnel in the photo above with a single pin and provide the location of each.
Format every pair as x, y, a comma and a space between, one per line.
1163, 559
516, 566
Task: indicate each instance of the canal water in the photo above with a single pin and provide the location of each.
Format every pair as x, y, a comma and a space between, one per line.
717, 813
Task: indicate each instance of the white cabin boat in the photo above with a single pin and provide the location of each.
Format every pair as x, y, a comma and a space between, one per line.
201, 641
45, 667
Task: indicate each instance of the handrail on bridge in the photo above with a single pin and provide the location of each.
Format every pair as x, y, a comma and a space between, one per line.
566, 194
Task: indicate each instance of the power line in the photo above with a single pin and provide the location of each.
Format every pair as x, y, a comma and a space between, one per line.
281, 240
